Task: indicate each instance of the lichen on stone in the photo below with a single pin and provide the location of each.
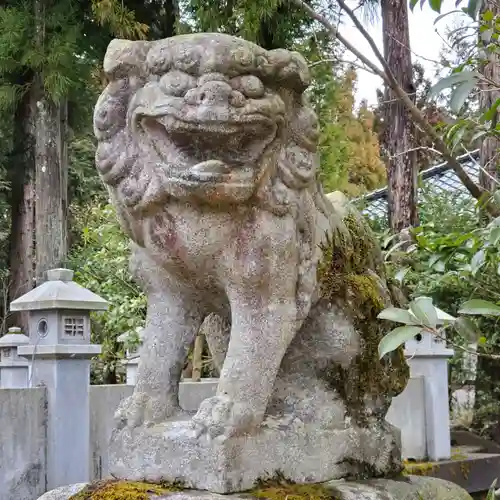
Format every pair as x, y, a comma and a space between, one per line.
351, 274
281, 489
419, 468
123, 490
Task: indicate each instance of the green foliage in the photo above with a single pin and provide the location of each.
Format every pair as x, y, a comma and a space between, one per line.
422, 315
470, 7
454, 260
269, 23
100, 261
349, 149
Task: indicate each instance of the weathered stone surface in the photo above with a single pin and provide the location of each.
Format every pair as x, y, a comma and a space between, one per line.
208, 147
407, 488
304, 451
63, 492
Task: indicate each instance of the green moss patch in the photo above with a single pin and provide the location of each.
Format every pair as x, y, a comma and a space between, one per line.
351, 274
283, 490
122, 490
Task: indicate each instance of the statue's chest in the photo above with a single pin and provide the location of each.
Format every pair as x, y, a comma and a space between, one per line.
188, 239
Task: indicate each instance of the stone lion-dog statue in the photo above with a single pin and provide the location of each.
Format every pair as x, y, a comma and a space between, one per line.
208, 147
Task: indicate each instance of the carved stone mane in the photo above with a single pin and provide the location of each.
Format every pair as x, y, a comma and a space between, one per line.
208, 147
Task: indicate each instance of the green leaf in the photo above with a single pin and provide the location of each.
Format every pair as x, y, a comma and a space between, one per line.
412, 4
435, 5
494, 236
454, 79
467, 329
478, 261
460, 94
401, 274
480, 307
488, 16
397, 337
425, 311
398, 315
491, 112
473, 8
443, 317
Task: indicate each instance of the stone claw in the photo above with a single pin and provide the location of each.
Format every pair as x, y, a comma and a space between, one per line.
221, 416
140, 409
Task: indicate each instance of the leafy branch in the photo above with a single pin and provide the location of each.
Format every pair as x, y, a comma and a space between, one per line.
423, 317
388, 77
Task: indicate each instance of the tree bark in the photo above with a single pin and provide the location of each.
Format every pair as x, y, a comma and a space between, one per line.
51, 168
487, 387
22, 178
490, 146
398, 139
51, 186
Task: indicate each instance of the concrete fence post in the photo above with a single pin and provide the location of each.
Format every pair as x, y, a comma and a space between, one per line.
14, 370
428, 357
59, 345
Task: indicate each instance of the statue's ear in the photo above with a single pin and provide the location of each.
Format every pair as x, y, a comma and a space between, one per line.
125, 58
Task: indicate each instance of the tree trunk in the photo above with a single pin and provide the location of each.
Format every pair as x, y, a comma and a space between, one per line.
21, 166
487, 386
490, 146
398, 139
51, 169
51, 204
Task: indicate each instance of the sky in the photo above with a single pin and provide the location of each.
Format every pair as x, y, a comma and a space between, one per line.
424, 42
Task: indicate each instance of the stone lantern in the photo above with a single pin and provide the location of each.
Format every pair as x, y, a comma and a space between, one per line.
428, 356
60, 350
14, 370
59, 312
132, 356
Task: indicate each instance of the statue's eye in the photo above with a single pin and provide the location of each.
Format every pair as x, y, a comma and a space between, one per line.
251, 86
176, 83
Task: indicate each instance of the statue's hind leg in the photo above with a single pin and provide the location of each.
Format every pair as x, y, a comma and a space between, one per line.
173, 318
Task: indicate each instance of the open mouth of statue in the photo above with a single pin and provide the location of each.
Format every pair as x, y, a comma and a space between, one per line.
210, 150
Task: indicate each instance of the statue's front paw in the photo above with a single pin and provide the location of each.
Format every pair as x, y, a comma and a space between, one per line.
221, 416
142, 409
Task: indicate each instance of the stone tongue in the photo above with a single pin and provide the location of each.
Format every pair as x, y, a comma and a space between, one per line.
210, 167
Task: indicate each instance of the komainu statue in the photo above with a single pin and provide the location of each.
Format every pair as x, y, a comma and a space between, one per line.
209, 150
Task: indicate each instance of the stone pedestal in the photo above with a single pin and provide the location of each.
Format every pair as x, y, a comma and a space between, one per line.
301, 452
403, 488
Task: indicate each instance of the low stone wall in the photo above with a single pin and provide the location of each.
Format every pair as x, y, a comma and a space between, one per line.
104, 400
23, 430
407, 413
23, 438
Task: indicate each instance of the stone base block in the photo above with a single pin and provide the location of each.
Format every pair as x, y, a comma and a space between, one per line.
404, 488
303, 453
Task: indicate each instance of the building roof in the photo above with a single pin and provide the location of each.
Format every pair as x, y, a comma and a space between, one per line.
439, 178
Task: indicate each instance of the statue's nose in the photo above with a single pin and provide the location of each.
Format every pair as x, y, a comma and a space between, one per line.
210, 93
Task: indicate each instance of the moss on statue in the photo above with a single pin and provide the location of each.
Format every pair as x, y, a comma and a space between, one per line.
351, 274
120, 490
